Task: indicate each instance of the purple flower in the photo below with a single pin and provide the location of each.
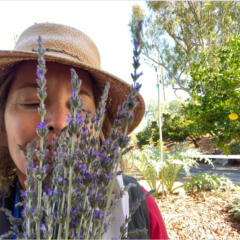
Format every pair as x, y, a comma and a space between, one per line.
44, 168
60, 179
73, 91
36, 168
49, 191
136, 43
110, 175
43, 228
95, 213
69, 118
87, 175
121, 195
99, 195
119, 135
73, 222
73, 209
101, 214
83, 167
119, 107
128, 138
75, 152
90, 191
104, 158
23, 193
78, 163
74, 233
79, 118
74, 190
96, 153
41, 125
38, 73
116, 148
107, 141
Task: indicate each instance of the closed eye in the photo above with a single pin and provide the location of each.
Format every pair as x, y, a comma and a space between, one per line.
30, 105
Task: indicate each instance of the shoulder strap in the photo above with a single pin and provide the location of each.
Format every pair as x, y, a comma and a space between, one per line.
140, 219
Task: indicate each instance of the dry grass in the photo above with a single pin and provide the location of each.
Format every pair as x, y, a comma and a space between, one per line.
199, 216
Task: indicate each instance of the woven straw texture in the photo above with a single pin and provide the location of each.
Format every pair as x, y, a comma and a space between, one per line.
67, 45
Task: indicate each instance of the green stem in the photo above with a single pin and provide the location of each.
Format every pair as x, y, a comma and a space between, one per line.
89, 225
174, 178
70, 184
93, 231
69, 203
178, 187
62, 208
84, 203
39, 189
111, 187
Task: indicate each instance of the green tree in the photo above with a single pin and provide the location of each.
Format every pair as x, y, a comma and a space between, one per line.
176, 32
175, 128
215, 96
149, 133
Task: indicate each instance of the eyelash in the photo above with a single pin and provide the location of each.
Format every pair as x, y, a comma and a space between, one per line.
31, 105
35, 105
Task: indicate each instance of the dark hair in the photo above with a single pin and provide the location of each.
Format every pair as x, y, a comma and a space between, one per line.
8, 168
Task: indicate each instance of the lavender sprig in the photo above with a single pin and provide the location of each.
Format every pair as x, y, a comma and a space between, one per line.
74, 201
41, 128
125, 114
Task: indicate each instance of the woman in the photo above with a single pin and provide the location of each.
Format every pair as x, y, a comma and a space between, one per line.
65, 47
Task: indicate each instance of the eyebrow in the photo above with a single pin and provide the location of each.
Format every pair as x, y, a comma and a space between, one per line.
28, 85
35, 86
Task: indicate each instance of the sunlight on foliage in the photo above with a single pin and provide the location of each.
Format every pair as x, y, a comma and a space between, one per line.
149, 163
206, 181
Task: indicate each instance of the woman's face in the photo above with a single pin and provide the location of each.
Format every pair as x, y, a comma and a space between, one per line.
21, 112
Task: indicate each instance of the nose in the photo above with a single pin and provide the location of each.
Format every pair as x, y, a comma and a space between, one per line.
56, 119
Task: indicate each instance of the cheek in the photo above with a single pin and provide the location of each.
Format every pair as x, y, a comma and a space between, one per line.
20, 129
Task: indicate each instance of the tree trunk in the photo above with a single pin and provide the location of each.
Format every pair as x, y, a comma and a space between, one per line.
194, 141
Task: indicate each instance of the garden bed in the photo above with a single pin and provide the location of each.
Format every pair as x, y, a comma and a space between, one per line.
199, 216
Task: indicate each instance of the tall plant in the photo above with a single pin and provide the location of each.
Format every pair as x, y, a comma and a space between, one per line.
180, 159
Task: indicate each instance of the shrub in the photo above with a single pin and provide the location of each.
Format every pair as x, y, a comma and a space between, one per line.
234, 207
235, 148
175, 128
149, 163
206, 181
150, 132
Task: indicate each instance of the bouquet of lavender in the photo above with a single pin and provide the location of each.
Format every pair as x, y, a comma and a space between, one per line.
68, 194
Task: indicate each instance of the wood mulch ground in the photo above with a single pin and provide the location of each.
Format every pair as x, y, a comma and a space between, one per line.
199, 216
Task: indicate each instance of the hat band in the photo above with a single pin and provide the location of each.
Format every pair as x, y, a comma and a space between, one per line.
58, 50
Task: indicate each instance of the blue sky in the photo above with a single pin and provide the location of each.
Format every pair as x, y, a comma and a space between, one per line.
105, 22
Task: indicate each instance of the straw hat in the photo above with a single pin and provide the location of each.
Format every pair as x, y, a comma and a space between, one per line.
67, 45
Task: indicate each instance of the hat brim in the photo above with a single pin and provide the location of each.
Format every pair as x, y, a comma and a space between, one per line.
118, 92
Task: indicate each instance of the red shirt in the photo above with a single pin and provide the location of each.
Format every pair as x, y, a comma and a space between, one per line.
157, 226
